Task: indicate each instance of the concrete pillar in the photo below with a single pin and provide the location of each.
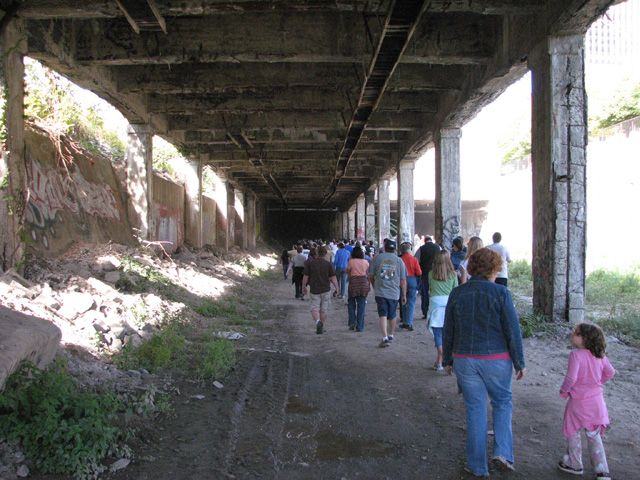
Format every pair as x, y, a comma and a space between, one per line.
140, 178
360, 218
351, 216
383, 224
406, 205
193, 202
13, 48
370, 214
345, 225
240, 220
231, 216
559, 140
250, 220
448, 204
220, 197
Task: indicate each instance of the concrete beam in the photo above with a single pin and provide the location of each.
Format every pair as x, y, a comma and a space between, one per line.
370, 214
406, 206
231, 216
295, 119
383, 221
12, 49
139, 159
288, 99
448, 204
87, 9
559, 140
276, 37
193, 215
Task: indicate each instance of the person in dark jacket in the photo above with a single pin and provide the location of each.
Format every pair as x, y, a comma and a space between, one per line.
284, 258
483, 345
425, 255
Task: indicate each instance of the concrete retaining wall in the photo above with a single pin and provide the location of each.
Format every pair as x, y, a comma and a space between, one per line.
168, 212
208, 220
84, 201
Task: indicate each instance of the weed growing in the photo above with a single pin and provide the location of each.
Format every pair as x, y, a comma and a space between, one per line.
217, 309
216, 358
143, 278
165, 349
62, 428
607, 287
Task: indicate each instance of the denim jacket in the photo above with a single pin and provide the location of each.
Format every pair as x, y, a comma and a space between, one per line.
480, 319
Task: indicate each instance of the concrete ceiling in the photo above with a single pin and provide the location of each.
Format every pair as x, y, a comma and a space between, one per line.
304, 102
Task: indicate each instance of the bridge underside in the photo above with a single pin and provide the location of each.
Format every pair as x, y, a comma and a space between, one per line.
303, 104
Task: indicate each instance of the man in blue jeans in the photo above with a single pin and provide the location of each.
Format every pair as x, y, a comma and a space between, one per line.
388, 275
340, 263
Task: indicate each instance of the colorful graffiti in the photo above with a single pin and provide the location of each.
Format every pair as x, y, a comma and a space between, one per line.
51, 191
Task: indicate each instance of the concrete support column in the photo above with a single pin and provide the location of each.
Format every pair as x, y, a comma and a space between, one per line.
383, 224
360, 218
241, 220
448, 204
559, 140
13, 47
370, 214
140, 178
250, 220
231, 216
352, 222
193, 202
406, 205
345, 225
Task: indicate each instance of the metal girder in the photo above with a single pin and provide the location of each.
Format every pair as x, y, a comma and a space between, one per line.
396, 35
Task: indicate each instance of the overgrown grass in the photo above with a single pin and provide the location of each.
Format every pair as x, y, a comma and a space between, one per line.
177, 346
64, 429
212, 308
141, 278
612, 301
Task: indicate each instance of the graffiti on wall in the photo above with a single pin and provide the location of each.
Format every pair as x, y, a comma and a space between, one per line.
52, 191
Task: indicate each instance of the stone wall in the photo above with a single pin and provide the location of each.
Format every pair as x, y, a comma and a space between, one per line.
168, 212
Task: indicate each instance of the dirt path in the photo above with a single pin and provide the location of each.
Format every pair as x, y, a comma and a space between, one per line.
307, 406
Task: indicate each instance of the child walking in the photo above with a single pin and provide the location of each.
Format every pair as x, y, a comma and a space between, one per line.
588, 370
442, 279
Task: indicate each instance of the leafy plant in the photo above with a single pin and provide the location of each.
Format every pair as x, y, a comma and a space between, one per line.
165, 349
517, 152
216, 309
216, 358
62, 428
624, 107
533, 323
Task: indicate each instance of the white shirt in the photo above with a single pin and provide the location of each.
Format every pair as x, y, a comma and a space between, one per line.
506, 258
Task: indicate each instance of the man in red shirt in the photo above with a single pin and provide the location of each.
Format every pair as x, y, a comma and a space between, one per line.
413, 275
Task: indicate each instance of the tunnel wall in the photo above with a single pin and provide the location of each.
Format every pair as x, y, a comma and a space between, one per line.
168, 212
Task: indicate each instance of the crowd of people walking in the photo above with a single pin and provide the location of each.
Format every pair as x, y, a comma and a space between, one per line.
470, 313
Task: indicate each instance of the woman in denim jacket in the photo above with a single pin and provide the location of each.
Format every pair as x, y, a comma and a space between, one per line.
482, 344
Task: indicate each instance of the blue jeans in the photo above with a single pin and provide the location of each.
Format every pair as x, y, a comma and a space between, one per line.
424, 294
477, 378
408, 308
437, 336
343, 278
359, 304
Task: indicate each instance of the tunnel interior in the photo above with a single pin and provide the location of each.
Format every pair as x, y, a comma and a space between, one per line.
285, 227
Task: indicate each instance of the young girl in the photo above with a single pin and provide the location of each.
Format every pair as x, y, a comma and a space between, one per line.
588, 370
442, 279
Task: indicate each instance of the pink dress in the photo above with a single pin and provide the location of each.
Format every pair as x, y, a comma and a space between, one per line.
583, 387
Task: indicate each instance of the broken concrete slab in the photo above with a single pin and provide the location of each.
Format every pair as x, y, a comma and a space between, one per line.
25, 338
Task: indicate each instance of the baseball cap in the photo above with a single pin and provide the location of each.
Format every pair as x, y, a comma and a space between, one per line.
389, 244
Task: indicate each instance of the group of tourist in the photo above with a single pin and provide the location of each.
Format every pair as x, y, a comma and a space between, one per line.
471, 315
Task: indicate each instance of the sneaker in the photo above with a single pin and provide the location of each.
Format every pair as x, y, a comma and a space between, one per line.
470, 472
352, 327
502, 464
409, 327
390, 337
403, 325
438, 367
319, 326
567, 469
603, 476
384, 343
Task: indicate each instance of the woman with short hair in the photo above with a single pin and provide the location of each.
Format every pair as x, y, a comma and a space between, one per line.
358, 272
483, 344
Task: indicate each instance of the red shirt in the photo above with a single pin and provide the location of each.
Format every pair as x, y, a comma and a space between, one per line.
413, 266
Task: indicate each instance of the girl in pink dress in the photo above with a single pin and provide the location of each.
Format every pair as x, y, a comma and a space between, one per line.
588, 370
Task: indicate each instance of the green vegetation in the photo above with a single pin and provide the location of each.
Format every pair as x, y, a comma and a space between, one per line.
163, 154
215, 358
612, 301
179, 346
51, 101
141, 278
625, 106
517, 152
62, 428
216, 309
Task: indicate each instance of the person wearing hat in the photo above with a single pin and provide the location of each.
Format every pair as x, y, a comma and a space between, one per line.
388, 276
